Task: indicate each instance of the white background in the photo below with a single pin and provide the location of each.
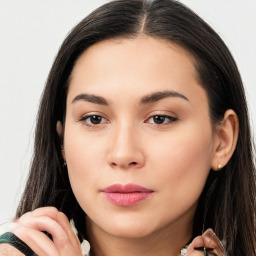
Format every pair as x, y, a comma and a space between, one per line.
30, 35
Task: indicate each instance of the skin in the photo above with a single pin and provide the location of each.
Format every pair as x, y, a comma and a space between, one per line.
172, 159
126, 145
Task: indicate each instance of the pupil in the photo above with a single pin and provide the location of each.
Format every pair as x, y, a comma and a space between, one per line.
159, 119
95, 119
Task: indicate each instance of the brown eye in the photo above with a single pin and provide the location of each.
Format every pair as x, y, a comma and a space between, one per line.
93, 120
161, 119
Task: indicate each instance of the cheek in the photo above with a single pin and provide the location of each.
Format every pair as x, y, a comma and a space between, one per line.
188, 147
82, 152
183, 163
83, 156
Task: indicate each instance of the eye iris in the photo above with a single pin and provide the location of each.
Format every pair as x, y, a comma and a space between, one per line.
159, 119
95, 119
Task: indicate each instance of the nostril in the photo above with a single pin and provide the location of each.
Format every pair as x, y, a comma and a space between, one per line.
123, 165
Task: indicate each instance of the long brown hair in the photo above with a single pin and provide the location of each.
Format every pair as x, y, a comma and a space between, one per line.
227, 203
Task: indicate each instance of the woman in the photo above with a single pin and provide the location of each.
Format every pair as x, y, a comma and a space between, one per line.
142, 140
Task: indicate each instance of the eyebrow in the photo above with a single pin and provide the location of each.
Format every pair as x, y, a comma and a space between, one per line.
156, 96
90, 98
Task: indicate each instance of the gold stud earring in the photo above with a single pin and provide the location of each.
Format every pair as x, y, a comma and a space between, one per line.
219, 167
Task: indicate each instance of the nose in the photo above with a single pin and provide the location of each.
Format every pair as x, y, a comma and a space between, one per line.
125, 149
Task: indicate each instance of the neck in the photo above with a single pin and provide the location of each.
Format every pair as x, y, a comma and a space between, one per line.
165, 242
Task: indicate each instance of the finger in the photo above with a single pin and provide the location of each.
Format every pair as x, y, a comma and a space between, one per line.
57, 225
212, 241
196, 243
65, 224
45, 223
60, 218
208, 242
48, 211
36, 240
195, 253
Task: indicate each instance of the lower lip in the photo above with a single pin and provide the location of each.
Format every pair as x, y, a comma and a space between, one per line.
127, 199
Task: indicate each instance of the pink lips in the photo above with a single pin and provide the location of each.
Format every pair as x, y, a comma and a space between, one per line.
126, 195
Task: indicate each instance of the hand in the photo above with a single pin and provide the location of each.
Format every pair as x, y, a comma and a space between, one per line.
29, 229
209, 241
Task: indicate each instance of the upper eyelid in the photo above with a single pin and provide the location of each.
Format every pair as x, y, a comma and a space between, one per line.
88, 114
161, 113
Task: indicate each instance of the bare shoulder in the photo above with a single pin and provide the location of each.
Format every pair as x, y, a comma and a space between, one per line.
8, 250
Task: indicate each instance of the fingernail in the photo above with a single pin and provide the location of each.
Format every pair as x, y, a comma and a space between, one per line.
211, 233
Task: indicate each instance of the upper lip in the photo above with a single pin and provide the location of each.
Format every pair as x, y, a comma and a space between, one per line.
127, 188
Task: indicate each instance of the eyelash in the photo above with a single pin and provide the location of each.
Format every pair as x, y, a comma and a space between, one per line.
85, 118
166, 120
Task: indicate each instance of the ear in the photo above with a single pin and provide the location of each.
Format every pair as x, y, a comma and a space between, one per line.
59, 129
226, 135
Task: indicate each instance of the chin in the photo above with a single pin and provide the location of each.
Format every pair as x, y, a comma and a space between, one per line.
130, 229
132, 233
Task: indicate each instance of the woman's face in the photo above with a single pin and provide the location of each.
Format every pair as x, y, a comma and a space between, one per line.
138, 139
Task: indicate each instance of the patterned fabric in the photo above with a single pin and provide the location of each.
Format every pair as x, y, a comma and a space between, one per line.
10, 238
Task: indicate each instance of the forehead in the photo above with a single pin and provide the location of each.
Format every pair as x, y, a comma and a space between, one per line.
141, 51
119, 66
